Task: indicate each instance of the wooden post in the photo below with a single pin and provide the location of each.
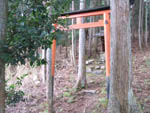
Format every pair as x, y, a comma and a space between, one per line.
107, 49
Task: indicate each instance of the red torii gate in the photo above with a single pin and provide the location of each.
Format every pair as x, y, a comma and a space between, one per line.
105, 22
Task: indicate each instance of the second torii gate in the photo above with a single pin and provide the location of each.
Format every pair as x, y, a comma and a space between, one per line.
105, 22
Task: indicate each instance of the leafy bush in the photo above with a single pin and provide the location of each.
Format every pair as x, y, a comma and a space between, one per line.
30, 26
14, 95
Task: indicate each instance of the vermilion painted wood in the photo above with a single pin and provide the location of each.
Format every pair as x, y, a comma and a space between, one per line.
100, 23
107, 42
87, 14
53, 57
53, 54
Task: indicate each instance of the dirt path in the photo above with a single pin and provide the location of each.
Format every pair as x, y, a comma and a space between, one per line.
90, 100
141, 82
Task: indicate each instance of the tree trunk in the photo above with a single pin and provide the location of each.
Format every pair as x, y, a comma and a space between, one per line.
94, 42
2, 84
81, 81
94, 39
90, 32
50, 83
146, 24
60, 49
140, 24
135, 21
73, 42
76, 45
90, 40
3, 21
107, 2
44, 66
50, 54
66, 45
121, 98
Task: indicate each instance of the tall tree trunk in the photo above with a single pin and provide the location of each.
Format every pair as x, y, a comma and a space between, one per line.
73, 41
2, 86
90, 40
146, 24
81, 81
3, 21
140, 24
121, 98
107, 2
60, 49
94, 42
50, 55
44, 66
135, 21
90, 33
94, 39
50, 82
66, 45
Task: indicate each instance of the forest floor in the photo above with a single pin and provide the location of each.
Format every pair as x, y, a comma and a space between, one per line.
90, 100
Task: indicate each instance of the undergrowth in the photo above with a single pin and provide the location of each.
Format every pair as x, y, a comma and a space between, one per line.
13, 93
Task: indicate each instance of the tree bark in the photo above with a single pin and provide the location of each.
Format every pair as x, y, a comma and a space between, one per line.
50, 57
121, 98
66, 45
107, 2
94, 39
3, 22
140, 24
44, 66
135, 21
73, 42
90, 40
146, 24
81, 81
2, 88
50, 83
90, 33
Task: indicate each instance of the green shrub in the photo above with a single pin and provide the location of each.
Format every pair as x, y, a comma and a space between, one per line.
14, 94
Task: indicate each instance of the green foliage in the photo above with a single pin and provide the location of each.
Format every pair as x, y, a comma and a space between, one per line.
46, 111
103, 91
147, 62
103, 102
14, 95
70, 95
30, 26
71, 99
66, 94
147, 81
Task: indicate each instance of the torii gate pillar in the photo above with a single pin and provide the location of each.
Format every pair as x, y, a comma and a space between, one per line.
107, 49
